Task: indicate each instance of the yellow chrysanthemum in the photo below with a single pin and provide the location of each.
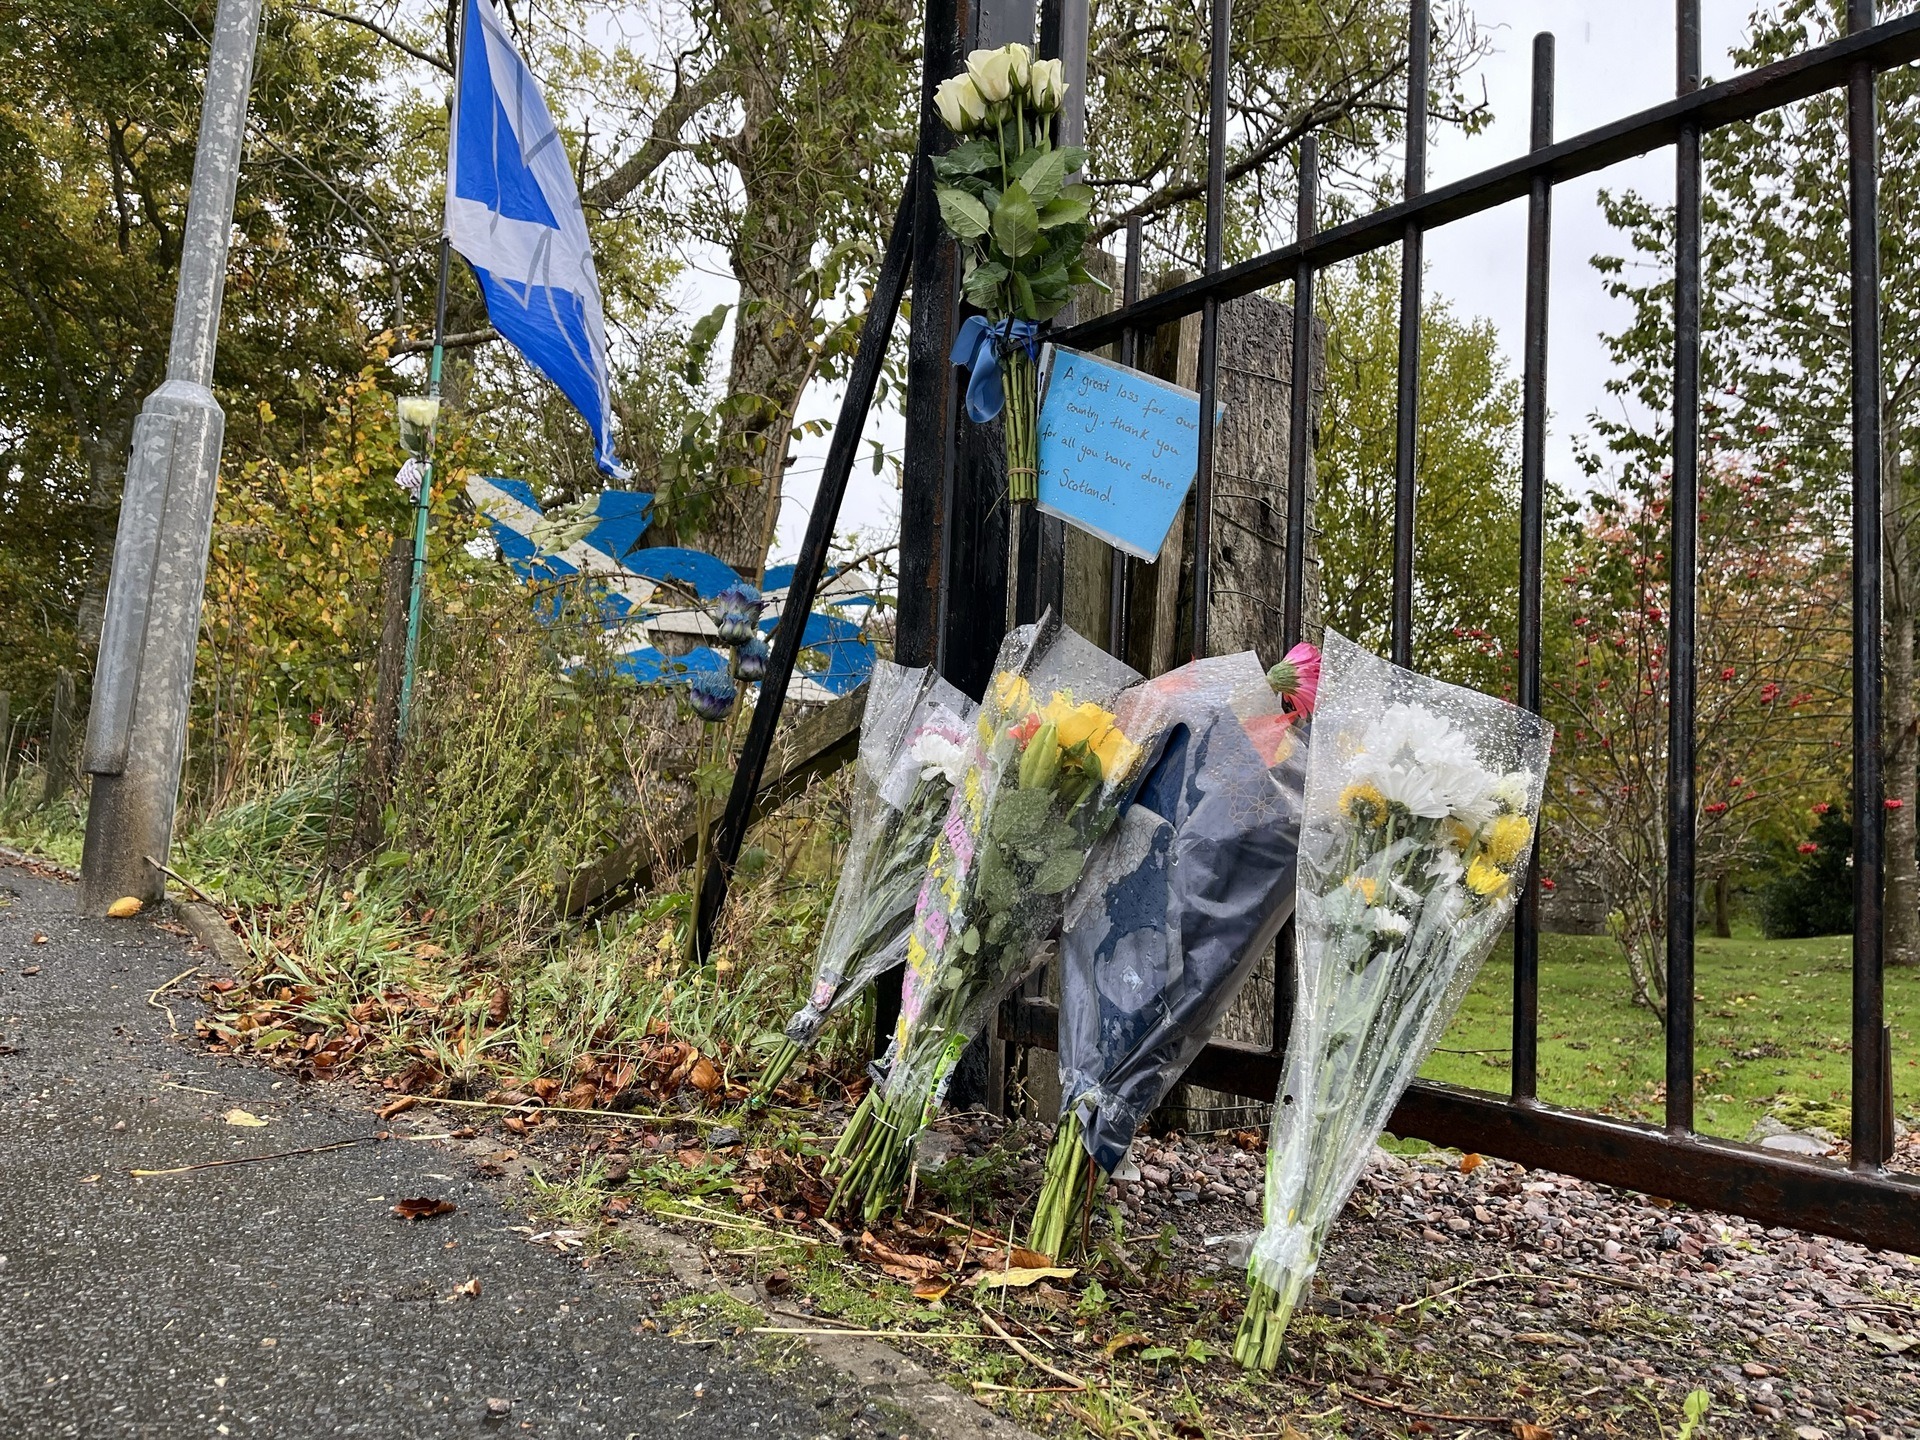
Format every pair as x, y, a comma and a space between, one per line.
1486, 878
1366, 885
1506, 838
1363, 803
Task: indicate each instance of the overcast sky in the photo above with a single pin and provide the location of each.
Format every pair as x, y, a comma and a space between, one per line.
1613, 58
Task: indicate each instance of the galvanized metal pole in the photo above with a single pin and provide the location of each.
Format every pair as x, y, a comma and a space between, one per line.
423, 497
143, 678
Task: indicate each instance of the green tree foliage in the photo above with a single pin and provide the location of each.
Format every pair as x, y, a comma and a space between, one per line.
99, 109
1813, 893
1775, 362
1468, 557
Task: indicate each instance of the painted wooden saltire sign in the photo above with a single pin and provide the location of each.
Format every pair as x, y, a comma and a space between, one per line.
1118, 450
650, 594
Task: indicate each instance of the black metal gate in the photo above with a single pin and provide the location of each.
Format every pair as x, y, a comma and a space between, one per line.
956, 543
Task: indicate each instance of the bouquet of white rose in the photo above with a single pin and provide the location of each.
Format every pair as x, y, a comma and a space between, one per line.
1006, 193
1420, 806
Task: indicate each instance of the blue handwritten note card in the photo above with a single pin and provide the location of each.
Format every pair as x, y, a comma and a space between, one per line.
1118, 450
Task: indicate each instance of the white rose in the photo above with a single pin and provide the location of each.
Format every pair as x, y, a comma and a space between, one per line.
1019, 64
992, 74
960, 104
1048, 85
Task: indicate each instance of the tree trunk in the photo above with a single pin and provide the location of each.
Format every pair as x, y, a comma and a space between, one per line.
1900, 765
772, 360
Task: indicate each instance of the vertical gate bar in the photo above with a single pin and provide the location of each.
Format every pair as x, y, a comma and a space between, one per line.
1407, 398
1533, 484
1300, 400
1210, 318
1129, 352
1872, 1137
1681, 598
926, 465
876, 331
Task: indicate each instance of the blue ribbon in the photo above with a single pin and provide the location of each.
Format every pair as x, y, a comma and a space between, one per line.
977, 348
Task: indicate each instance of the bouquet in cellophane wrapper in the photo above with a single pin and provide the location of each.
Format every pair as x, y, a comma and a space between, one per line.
1174, 914
1053, 761
915, 743
1421, 805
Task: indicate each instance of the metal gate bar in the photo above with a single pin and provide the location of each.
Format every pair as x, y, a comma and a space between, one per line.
1864, 1203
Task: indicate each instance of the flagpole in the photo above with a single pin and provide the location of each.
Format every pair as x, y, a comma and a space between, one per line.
423, 498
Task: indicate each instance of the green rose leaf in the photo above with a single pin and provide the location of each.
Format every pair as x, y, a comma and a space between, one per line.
971, 158
1016, 223
965, 216
1063, 211
970, 942
1045, 176
1058, 872
1073, 159
983, 285
1024, 301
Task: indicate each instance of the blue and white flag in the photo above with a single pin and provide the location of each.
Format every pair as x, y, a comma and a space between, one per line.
513, 211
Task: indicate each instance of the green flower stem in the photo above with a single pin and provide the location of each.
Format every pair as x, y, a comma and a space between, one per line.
776, 1070
1065, 1191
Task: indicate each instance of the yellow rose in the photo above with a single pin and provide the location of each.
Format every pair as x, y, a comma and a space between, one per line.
1506, 838
1116, 753
1486, 878
1074, 724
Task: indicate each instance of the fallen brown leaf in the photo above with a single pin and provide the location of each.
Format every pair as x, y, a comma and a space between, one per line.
497, 1004
1471, 1162
470, 1290
1022, 1259
237, 1116
932, 1288
1524, 1431
901, 1264
1132, 1340
395, 1107
703, 1076
423, 1207
125, 908
38, 938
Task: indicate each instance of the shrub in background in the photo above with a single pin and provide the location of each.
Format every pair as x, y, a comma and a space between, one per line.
1812, 894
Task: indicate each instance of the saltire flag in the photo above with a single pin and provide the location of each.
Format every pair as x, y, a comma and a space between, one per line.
513, 213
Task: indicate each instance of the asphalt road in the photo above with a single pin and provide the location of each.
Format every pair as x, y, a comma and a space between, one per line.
283, 1297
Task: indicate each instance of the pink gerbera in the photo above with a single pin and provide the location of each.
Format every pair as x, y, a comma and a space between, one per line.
1297, 677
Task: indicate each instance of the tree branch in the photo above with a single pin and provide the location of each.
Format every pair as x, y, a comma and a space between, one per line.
689, 99
385, 34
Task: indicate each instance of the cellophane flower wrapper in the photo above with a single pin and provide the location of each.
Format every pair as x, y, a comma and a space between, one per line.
1172, 916
916, 741
1053, 763
1421, 804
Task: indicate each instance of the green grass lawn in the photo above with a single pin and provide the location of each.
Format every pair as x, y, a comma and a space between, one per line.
1772, 1033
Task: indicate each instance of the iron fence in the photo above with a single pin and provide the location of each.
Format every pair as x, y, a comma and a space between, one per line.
954, 562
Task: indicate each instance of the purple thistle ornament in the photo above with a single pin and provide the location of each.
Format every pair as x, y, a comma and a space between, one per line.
712, 695
736, 611
750, 661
